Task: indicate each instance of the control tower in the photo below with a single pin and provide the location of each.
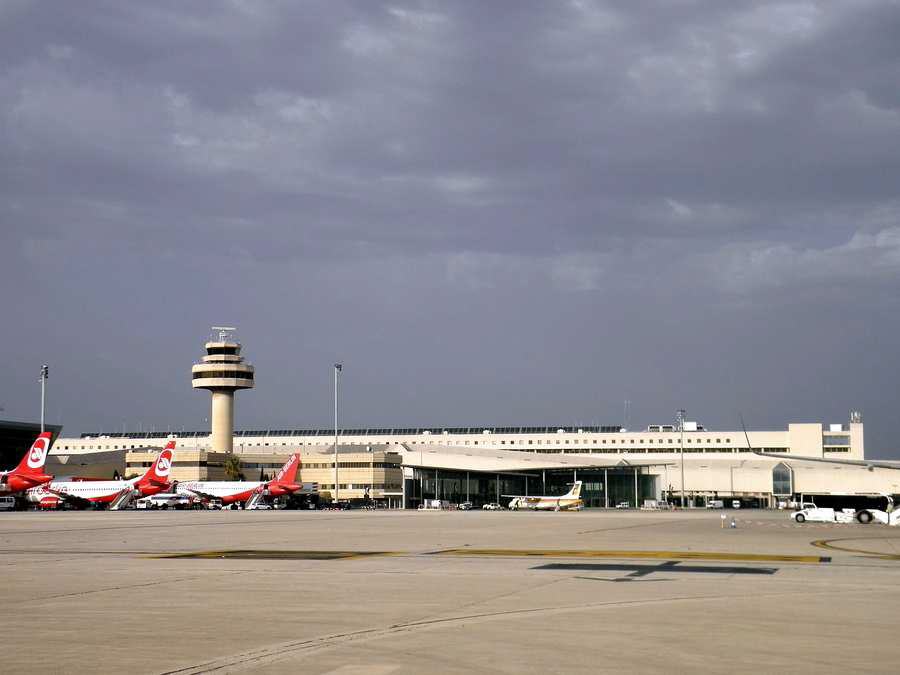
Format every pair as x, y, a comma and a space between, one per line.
223, 372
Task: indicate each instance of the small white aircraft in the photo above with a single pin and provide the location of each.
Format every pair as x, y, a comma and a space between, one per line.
571, 501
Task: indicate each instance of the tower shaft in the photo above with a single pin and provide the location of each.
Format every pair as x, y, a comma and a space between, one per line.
222, 420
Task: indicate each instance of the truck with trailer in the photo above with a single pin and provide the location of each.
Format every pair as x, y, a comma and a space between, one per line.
809, 511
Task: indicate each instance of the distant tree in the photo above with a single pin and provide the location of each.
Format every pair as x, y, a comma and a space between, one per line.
232, 467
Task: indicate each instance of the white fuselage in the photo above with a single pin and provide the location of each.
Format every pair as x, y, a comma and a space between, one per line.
227, 491
92, 490
546, 503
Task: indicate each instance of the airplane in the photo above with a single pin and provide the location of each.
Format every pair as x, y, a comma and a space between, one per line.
229, 492
95, 492
30, 472
571, 501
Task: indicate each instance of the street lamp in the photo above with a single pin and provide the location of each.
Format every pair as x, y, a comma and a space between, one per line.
45, 373
338, 367
680, 419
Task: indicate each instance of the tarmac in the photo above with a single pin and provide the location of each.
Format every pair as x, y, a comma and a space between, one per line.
446, 592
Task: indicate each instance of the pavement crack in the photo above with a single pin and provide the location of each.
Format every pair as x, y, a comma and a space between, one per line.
123, 587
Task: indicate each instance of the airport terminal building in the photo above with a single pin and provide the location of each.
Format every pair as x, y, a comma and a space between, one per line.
404, 466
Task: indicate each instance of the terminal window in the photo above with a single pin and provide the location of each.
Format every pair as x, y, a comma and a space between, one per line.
782, 480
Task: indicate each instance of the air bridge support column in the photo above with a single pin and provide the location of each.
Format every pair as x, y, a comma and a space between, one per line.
635, 487
605, 488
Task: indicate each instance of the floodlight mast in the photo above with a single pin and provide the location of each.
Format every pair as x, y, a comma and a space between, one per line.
338, 368
45, 373
681, 416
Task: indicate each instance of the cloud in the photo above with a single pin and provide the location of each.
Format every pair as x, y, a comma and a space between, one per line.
866, 260
552, 164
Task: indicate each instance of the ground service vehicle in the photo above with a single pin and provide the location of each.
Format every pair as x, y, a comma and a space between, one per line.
887, 516
492, 506
824, 515
7, 503
165, 500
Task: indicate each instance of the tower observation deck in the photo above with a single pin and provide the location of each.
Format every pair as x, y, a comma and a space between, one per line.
222, 371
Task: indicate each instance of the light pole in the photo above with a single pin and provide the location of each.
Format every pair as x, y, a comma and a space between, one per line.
45, 372
337, 370
680, 418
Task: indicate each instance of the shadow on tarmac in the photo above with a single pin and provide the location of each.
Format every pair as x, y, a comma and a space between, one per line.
638, 570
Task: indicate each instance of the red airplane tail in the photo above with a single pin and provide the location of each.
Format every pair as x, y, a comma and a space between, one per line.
30, 471
158, 473
288, 473
285, 481
32, 463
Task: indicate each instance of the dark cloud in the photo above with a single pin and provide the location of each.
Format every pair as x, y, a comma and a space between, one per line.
492, 214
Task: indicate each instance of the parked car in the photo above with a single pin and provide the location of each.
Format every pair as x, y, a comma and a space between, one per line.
623, 505
715, 504
492, 506
259, 506
465, 506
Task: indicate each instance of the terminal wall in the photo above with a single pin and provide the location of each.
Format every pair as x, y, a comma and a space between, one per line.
806, 439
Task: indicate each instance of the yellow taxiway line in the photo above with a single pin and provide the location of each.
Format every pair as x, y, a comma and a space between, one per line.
263, 554
827, 544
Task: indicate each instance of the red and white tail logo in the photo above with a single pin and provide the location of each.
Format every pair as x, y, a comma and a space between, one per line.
162, 467
33, 461
288, 473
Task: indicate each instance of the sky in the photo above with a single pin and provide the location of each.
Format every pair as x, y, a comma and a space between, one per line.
509, 213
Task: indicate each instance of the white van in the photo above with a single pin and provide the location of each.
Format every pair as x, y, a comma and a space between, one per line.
7, 503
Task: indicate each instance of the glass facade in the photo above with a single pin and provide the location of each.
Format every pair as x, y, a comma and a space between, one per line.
457, 487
